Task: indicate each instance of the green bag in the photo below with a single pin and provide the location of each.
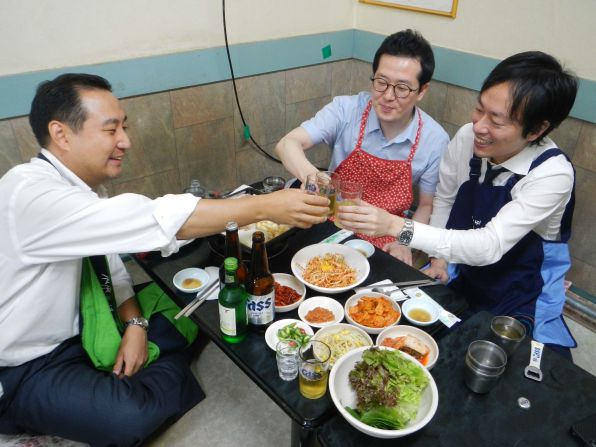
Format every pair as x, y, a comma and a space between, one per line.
101, 332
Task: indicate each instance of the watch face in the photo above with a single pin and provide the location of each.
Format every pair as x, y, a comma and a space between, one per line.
405, 237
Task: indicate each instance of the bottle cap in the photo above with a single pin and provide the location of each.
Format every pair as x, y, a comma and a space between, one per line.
258, 236
231, 226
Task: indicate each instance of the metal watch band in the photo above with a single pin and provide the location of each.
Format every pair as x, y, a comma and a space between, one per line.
138, 321
406, 233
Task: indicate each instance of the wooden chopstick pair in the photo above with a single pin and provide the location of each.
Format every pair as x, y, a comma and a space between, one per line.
200, 299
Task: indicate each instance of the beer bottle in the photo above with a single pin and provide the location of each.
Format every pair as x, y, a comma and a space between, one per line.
232, 305
260, 286
232, 249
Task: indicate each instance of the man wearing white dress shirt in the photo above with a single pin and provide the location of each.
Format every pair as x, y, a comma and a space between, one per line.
505, 200
54, 212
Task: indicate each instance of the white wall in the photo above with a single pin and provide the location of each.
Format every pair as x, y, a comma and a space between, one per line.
45, 34
500, 28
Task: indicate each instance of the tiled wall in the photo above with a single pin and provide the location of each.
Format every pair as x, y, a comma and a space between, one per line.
198, 133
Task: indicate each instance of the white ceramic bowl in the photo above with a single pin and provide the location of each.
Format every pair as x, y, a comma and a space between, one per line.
338, 333
271, 337
324, 302
288, 280
364, 247
354, 299
190, 273
343, 395
423, 304
353, 258
423, 337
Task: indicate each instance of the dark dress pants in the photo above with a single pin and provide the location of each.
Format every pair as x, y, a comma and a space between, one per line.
62, 394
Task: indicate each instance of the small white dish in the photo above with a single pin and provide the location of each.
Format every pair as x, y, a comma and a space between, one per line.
271, 337
426, 306
288, 280
402, 330
353, 301
324, 302
184, 279
366, 248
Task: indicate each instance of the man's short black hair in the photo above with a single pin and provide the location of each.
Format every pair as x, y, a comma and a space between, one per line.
541, 90
411, 44
59, 100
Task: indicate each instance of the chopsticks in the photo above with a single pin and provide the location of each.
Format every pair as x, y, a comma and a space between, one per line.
403, 284
200, 299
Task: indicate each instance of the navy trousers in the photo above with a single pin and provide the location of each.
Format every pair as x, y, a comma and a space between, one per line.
62, 394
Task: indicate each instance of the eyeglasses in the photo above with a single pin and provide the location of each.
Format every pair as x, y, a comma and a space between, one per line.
401, 90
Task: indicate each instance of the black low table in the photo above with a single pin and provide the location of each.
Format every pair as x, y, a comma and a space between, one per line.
566, 395
253, 355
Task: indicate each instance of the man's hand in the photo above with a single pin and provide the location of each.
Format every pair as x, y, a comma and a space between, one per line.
132, 354
367, 219
437, 270
296, 208
400, 252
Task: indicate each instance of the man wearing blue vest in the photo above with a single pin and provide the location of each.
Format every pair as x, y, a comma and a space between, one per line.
503, 209
57, 224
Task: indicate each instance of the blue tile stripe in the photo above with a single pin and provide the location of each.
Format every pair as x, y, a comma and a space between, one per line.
159, 73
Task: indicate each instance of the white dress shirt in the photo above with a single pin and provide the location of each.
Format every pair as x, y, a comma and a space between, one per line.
50, 220
538, 202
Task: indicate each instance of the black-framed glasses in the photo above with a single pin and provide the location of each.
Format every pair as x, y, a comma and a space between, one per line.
401, 90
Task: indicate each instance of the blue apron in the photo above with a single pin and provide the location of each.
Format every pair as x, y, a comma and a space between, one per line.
527, 282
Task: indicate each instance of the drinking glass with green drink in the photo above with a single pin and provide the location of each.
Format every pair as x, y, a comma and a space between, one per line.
348, 193
323, 183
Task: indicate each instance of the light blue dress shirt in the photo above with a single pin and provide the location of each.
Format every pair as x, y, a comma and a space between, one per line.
338, 125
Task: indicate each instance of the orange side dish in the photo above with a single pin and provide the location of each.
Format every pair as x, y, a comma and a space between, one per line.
284, 295
319, 315
374, 312
409, 345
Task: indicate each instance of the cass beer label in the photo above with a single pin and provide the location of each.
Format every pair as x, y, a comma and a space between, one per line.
260, 309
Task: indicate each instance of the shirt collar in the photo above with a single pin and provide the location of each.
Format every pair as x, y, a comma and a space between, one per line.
521, 162
409, 133
66, 173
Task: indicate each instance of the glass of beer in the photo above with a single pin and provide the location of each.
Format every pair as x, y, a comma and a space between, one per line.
313, 369
323, 183
349, 193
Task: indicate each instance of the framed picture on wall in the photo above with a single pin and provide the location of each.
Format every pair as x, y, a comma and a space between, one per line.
446, 8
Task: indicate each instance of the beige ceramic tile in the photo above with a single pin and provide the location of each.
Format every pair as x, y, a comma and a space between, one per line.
582, 275
451, 129
341, 76
320, 156
153, 146
583, 243
299, 112
252, 166
156, 185
9, 155
263, 107
26, 141
206, 152
459, 104
308, 82
585, 151
202, 103
434, 100
566, 135
361, 74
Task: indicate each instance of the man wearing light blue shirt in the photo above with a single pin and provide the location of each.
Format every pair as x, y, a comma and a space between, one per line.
380, 139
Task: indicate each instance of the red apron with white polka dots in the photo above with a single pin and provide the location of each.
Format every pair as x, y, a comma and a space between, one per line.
386, 184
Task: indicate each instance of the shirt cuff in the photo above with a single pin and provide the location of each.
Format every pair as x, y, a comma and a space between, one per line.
428, 239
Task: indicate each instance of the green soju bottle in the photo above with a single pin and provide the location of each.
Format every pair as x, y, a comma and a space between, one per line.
232, 299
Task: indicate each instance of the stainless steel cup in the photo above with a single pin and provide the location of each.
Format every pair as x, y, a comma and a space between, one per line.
507, 332
484, 364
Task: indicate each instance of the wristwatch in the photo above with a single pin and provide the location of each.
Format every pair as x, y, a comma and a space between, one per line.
137, 321
406, 233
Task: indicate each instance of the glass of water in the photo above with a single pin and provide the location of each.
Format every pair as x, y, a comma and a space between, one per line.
286, 354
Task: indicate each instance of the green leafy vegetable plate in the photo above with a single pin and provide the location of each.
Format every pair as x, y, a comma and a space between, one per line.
395, 391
